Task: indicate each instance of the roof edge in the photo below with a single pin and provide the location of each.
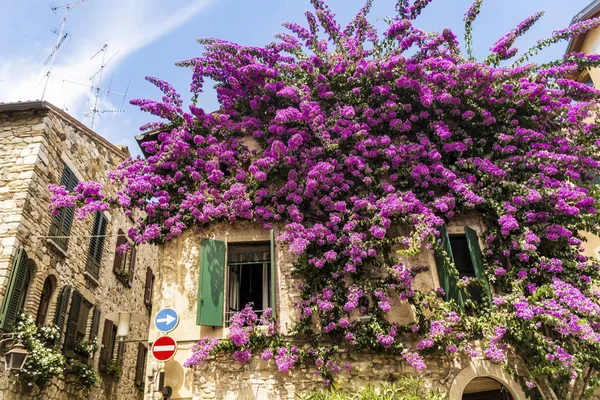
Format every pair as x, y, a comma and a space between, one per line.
44, 105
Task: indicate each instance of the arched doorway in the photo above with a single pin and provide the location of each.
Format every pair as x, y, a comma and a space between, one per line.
474, 375
486, 389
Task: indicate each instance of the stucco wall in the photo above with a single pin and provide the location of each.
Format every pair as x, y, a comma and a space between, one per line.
223, 378
33, 147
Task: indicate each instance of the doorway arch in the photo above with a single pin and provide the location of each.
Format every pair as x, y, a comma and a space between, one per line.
484, 369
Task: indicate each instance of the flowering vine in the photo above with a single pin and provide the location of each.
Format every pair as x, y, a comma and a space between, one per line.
359, 146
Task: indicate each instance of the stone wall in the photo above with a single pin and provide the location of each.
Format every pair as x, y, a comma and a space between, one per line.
224, 379
34, 144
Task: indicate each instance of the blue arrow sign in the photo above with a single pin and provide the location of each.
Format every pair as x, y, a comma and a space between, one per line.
166, 320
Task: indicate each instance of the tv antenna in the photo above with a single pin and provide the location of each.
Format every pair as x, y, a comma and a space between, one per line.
62, 36
96, 90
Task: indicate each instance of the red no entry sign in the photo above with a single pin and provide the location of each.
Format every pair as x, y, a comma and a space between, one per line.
164, 348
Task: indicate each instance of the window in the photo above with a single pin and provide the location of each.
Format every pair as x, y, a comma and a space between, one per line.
60, 226
464, 264
149, 288
245, 269
465, 253
94, 259
72, 334
45, 301
82, 321
16, 290
140, 364
107, 349
248, 267
60, 315
123, 269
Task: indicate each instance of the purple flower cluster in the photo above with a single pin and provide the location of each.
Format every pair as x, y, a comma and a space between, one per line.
355, 145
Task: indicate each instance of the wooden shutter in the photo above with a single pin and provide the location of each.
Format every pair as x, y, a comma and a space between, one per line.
94, 260
107, 345
100, 248
447, 281
132, 261
61, 223
60, 315
140, 364
71, 333
211, 283
119, 257
272, 297
477, 259
14, 291
120, 353
93, 242
148, 287
95, 323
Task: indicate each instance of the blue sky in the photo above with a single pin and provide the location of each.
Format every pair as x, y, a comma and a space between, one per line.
150, 35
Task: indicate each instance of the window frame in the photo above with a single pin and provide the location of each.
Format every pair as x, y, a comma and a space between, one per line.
45, 299
266, 278
57, 224
449, 283
207, 317
95, 254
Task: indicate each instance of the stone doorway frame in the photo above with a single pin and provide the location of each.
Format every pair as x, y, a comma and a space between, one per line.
484, 369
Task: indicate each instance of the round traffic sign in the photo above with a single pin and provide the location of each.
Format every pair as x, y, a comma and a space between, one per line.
166, 320
164, 348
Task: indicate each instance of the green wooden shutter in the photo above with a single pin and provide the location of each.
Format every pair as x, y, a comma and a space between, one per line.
272, 297
71, 333
14, 291
100, 247
211, 282
93, 242
61, 223
94, 260
95, 323
447, 281
477, 259
60, 315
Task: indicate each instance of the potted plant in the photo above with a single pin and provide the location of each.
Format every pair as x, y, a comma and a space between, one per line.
113, 370
84, 376
86, 348
124, 276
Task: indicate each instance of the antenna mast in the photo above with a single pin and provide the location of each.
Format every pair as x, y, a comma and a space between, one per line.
96, 90
60, 40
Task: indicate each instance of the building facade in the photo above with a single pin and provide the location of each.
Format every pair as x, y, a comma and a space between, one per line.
207, 276
201, 276
63, 271
588, 43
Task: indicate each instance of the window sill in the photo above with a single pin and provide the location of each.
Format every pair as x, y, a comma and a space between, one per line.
126, 283
87, 275
57, 247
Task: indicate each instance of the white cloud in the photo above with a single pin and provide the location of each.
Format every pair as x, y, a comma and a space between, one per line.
125, 26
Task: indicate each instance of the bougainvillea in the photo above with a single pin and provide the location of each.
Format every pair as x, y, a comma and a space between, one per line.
358, 145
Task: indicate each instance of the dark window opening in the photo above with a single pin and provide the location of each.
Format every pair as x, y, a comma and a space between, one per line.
464, 265
224, 168
82, 321
501, 394
249, 267
44, 302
